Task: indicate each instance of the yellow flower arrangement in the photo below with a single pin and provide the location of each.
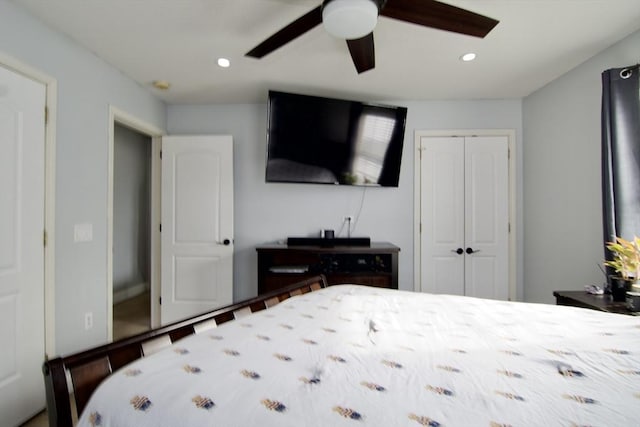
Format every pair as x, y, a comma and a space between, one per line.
626, 257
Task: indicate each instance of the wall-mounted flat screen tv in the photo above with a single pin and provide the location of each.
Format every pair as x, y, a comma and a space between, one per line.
320, 140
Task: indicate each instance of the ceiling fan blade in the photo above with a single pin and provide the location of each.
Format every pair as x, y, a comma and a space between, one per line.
288, 33
435, 14
363, 53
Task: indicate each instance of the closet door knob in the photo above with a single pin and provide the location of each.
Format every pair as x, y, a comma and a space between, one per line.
471, 251
459, 251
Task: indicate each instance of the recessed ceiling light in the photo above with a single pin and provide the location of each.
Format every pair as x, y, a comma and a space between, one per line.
223, 62
161, 84
468, 57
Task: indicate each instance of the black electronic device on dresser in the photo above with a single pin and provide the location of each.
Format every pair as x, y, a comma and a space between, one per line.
372, 265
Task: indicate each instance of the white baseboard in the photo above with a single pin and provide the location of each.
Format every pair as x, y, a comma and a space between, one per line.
124, 294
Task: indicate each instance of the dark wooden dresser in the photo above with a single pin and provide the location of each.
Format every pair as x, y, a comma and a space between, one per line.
374, 265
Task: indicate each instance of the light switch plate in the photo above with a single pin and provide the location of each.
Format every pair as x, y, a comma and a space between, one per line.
83, 233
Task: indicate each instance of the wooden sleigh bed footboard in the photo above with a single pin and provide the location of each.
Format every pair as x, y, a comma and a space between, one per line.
71, 380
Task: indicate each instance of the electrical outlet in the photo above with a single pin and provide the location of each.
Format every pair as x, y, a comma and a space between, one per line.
88, 320
349, 218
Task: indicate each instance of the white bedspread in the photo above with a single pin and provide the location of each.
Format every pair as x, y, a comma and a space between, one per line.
353, 355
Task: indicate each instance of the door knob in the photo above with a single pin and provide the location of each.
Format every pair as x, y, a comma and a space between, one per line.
226, 242
459, 251
471, 251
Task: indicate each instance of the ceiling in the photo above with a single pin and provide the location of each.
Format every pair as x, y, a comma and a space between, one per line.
180, 40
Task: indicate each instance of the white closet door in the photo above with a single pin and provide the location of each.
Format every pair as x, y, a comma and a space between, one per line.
487, 217
442, 208
22, 124
465, 216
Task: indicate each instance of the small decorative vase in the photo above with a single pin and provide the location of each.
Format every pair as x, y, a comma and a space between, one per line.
619, 288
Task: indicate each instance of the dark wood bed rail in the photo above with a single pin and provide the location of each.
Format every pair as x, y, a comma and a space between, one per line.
87, 369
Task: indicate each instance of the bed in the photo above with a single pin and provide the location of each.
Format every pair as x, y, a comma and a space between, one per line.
354, 355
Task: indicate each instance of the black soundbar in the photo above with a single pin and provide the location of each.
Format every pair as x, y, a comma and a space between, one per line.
336, 241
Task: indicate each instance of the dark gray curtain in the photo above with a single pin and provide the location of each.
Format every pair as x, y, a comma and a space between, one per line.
621, 153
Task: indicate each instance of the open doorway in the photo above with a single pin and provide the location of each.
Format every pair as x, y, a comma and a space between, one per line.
131, 275
131, 231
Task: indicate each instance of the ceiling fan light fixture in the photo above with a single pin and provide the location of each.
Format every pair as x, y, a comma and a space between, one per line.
349, 19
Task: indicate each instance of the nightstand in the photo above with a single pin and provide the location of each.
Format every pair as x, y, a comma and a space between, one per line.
593, 302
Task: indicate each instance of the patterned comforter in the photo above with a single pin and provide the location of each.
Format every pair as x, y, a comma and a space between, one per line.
352, 355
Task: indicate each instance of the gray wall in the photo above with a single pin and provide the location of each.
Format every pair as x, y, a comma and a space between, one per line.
86, 87
563, 219
131, 208
270, 212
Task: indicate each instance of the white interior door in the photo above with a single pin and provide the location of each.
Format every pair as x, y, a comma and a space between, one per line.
464, 210
487, 217
22, 103
197, 225
442, 210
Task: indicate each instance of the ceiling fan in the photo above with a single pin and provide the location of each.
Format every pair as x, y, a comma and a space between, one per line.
354, 20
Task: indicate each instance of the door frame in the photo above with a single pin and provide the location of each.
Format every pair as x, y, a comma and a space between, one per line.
417, 215
121, 117
51, 101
